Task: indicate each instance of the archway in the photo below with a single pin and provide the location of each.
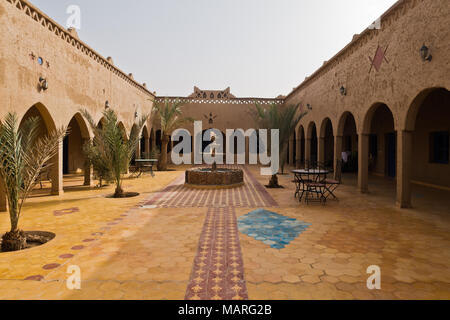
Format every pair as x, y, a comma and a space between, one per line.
158, 140
145, 143
137, 152
300, 146
55, 173
349, 146
379, 124
326, 143
152, 141
74, 159
312, 144
423, 153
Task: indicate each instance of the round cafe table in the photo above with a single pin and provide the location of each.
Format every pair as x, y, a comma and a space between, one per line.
313, 175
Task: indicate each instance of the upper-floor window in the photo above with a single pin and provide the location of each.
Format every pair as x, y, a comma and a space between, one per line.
439, 147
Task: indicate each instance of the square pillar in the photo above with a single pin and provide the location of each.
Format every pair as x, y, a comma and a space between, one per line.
338, 149
308, 150
3, 201
147, 146
57, 172
88, 170
363, 163
298, 146
153, 145
138, 150
291, 159
404, 168
321, 150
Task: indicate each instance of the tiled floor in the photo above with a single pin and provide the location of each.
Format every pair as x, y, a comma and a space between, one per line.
126, 251
176, 195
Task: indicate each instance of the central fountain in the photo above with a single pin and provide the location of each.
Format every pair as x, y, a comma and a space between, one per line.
214, 178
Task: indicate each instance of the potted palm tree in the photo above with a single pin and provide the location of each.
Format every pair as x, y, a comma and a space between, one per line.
283, 118
170, 118
23, 155
110, 145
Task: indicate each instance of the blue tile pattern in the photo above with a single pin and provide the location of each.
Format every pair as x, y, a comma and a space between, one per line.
271, 228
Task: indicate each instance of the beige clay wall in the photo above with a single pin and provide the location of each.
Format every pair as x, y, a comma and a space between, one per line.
78, 77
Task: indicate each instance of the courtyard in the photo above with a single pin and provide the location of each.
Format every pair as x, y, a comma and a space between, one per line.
371, 118
178, 243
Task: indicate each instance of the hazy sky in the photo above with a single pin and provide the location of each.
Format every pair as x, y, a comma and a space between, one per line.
260, 48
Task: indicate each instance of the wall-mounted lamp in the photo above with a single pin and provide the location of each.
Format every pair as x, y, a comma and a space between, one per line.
106, 104
43, 83
309, 106
343, 91
425, 53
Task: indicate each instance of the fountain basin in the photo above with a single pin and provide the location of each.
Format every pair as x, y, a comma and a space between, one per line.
206, 178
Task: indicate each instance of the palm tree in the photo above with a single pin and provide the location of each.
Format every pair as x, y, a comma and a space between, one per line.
94, 154
111, 146
283, 118
170, 118
23, 156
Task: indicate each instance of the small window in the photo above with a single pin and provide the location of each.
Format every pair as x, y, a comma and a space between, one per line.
439, 147
40, 61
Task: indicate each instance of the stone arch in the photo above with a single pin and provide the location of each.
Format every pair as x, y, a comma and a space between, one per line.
134, 132
145, 141
416, 103
368, 117
347, 133
100, 122
301, 146
78, 134
311, 127
152, 140
380, 125
323, 126
312, 143
342, 121
326, 143
54, 174
423, 144
41, 111
123, 129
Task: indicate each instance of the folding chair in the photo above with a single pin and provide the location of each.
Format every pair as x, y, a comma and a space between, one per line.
333, 184
315, 187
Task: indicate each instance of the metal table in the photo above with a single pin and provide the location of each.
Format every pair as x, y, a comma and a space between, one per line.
304, 176
145, 164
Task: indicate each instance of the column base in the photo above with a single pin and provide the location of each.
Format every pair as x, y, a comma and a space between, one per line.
57, 193
403, 204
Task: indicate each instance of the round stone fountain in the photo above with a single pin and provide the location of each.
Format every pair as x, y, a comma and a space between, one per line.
214, 178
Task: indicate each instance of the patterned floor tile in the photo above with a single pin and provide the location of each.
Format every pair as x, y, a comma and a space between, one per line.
218, 271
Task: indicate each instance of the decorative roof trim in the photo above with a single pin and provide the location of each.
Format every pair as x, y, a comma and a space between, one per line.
262, 101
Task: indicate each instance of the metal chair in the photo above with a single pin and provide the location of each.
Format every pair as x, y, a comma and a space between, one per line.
315, 187
333, 184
